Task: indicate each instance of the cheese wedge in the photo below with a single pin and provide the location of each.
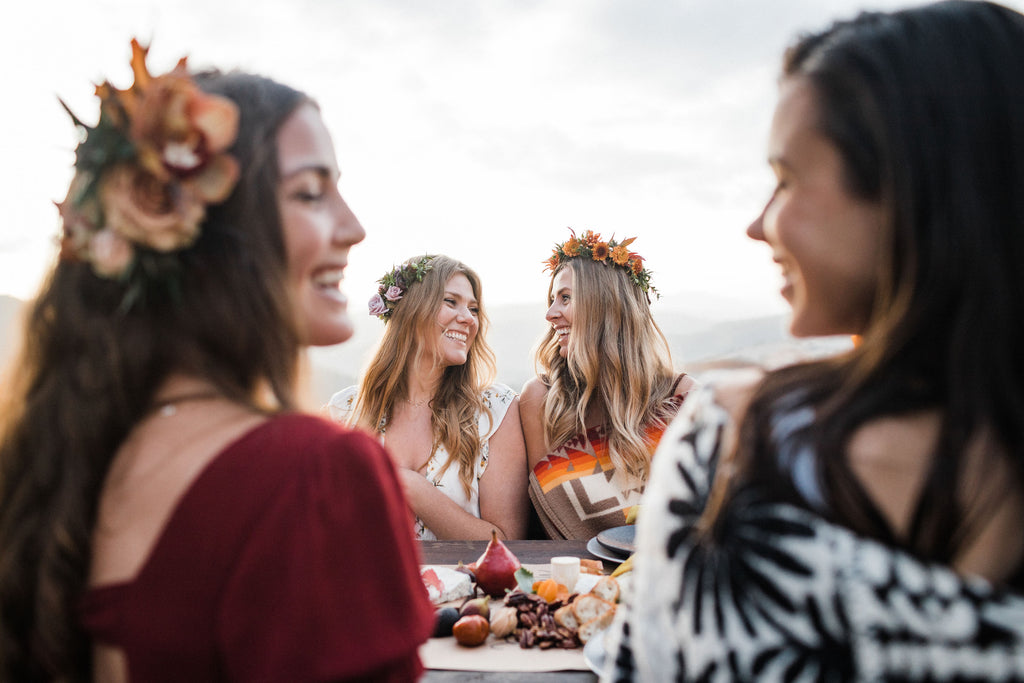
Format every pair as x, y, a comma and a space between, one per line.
445, 584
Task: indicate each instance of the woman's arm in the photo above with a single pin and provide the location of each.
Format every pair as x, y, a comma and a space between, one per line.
503, 497
531, 410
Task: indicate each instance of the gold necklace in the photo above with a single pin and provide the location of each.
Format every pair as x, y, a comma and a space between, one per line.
418, 404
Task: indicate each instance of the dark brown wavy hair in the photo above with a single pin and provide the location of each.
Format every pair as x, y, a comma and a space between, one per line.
87, 371
926, 108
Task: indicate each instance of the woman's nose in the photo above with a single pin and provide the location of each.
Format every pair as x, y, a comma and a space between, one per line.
347, 230
755, 230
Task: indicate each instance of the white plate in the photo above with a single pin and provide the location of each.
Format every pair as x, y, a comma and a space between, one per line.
594, 653
595, 548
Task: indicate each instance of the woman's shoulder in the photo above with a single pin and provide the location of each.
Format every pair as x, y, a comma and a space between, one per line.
339, 407
684, 384
295, 441
499, 393
730, 390
497, 398
534, 391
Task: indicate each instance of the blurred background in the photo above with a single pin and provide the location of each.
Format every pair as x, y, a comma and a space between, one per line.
481, 129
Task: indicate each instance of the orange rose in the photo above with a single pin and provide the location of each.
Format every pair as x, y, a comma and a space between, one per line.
180, 132
144, 210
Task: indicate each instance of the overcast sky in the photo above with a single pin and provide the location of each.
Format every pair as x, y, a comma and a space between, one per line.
477, 128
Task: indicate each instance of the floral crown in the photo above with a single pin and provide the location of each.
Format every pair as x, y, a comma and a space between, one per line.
145, 173
590, 245
395, 284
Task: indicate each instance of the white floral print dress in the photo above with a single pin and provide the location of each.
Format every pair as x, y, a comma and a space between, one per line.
497, 398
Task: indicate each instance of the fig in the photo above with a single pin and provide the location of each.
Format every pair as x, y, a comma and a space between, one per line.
481, 606
471, 630
467, 570
496, 568
444, 620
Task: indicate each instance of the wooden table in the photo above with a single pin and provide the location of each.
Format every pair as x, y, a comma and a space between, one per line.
528, 552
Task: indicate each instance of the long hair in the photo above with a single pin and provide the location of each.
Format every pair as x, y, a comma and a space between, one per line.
408, 337
926, 108
88, 369
618, 358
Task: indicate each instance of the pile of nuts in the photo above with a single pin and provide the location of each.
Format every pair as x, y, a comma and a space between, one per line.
536, 623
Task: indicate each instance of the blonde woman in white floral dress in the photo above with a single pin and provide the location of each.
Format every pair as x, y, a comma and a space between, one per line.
429, 394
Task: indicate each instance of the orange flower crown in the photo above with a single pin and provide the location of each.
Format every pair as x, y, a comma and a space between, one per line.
145, 173
589, 245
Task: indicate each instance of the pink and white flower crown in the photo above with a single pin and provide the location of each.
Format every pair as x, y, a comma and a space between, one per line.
395, 284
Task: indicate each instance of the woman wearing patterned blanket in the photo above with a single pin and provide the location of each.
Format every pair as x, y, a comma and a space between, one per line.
858, 517
605, 391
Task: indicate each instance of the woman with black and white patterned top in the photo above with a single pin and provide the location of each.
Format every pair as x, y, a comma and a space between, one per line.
859, 517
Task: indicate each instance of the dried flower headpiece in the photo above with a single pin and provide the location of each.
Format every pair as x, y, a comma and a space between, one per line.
395, 284
590, 246
145, 173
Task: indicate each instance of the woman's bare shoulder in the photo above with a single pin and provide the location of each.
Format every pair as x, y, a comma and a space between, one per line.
734, 388
533, 392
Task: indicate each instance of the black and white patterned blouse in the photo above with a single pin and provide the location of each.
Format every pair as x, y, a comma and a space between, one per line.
782, 595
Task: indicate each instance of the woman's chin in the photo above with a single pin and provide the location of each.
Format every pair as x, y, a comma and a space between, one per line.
329, 333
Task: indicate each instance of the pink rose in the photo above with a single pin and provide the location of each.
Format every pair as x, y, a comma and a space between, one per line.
110, 254
377, 305
394, 293
145, 210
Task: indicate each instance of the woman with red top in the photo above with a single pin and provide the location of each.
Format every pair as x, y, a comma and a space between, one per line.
604, 392
165, 514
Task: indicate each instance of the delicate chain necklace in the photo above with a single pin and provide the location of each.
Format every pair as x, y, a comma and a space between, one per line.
168, 407
418, 404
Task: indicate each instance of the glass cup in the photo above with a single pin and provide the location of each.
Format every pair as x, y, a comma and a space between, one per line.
566, 571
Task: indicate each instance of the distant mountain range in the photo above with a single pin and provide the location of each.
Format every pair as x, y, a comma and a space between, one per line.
698, 344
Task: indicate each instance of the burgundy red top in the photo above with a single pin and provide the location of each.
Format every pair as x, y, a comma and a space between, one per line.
290, 557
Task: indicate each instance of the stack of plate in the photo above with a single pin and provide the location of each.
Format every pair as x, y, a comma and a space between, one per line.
613, 545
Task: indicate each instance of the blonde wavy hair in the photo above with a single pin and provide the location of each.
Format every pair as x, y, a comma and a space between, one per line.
459, 398
618, 357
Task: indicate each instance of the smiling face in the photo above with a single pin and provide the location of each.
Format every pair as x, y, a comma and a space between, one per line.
457, 321
319, 228
826, 240
560, 312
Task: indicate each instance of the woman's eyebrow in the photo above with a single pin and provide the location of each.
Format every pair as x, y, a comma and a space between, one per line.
322, 171
456, 295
